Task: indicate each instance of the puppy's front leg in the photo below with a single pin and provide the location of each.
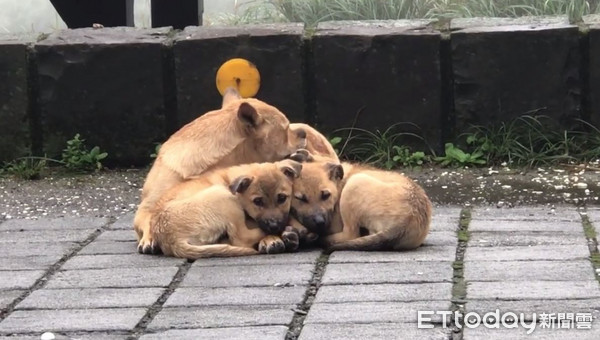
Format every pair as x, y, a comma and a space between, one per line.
288, 241
305, 235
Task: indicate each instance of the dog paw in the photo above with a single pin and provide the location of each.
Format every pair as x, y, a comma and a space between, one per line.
311, 238
271, 245
291, 239
148, 246
302, 156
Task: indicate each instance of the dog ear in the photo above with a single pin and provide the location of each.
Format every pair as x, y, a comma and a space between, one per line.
301, 156
290, 168
300, 133
240, 184
248, 114
230, 95
335, 170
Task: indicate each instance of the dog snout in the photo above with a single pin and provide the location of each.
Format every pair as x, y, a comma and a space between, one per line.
319, 221
271, 225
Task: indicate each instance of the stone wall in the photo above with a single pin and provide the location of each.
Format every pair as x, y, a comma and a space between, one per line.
125, 89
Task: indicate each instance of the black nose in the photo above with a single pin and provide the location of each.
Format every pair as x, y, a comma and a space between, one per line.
271, 226
319, 221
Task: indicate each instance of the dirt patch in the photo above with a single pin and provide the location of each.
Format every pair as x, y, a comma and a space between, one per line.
115, 192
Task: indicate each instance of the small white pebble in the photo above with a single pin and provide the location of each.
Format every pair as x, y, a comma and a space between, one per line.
506, 187
581, 185
47, 336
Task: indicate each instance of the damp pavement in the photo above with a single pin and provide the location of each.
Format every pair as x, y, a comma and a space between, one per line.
68, 271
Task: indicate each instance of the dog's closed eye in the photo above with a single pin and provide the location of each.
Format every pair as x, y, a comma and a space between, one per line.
301, 198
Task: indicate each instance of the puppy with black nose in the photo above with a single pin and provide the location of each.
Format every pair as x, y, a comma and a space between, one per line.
315, 195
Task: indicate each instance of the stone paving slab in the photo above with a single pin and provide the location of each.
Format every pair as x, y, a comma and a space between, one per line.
19, 279
72, 320
593, 215
424, 253
371, 331
527, 226
535, 253
516, 238
8, 296
34, 236
236, 296
124, 222
441, 238
249, 276
29, 262
308, 256
117, 235
394, 272
121, 261
531, 290
54, 223
233, 333
24, 248
113, 278
577, 270
528, 307
373, 312
71, 336
213, 316
483, 333
109, 247
90, 298
385, 292
445, 219
531, 213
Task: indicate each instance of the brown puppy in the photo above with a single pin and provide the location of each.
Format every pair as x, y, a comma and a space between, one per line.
347, 200
242, 131
207, 216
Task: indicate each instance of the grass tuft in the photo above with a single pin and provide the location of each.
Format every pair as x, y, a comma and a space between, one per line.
311, 12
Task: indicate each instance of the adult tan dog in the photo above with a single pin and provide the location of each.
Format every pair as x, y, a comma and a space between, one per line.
242, 131
359, 207
208, 216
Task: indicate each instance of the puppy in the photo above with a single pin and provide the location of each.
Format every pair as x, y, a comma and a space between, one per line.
207, 216
242, 131
359, 207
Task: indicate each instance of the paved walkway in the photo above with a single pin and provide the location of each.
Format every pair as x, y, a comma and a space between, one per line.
81, 278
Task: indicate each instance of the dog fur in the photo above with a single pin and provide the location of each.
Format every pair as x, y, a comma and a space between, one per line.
316, 144
242, 131
361, 208
227, 212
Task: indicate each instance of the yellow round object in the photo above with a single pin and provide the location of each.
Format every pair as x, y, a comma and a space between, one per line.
240, 74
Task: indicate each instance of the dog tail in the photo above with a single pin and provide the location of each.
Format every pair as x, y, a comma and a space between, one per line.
193, 252
379, 241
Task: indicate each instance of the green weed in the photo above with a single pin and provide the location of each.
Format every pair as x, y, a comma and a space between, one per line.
27, 168
311, 12
379, 148
454, 156
76, 157
406, 158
